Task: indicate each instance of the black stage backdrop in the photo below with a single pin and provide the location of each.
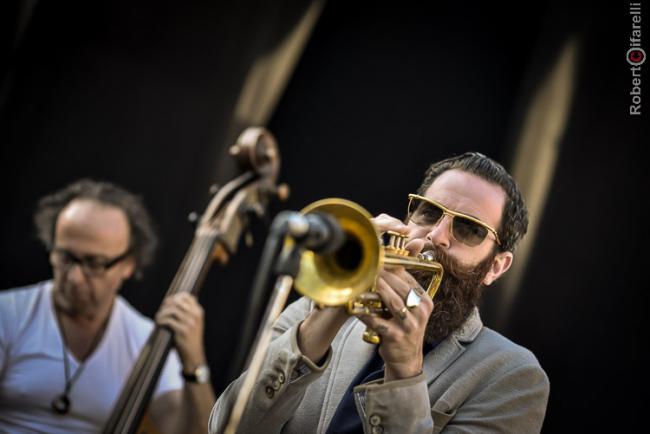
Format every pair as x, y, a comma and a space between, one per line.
140, 93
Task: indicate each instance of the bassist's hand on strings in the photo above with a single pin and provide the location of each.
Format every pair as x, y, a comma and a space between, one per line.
183, 314
185, 412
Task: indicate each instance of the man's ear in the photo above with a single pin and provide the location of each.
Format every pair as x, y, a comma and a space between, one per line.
500, 264
128, 268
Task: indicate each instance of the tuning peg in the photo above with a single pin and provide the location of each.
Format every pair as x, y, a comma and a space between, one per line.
193, 218
248, 239
214, 188
234, 150
283, 192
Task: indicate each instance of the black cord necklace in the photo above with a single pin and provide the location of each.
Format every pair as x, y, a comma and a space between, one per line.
61, 404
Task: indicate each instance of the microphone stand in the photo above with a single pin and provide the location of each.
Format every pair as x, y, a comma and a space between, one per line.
326, 235
277, 302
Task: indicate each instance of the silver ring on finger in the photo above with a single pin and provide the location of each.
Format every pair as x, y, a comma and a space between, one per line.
413, 299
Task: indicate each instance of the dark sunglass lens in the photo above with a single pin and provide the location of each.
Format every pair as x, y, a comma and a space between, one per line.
469, 232
423, 213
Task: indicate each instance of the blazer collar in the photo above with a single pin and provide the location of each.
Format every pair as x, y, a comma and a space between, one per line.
470, 328
451, 348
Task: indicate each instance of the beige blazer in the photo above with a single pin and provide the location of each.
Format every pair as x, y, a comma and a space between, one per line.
475, 381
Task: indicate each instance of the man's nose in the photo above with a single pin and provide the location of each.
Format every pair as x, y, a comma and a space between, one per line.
439, 234
75, 273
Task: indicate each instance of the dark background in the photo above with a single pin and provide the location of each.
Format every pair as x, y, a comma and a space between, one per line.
141, 94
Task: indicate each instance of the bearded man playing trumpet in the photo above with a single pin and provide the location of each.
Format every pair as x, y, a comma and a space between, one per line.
437, 369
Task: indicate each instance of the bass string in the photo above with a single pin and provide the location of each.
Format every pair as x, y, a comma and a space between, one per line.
198, 258
192, 264
183, 269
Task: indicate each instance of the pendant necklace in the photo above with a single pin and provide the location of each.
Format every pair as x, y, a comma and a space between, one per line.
61, 404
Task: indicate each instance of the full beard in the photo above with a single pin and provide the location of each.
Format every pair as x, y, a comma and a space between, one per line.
458, 294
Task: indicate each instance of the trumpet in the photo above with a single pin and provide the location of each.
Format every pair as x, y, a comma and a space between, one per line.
347, 276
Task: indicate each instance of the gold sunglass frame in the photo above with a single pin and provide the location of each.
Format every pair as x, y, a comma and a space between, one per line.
452, 214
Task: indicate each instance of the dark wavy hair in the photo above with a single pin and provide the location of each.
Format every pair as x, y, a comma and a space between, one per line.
514, 221
142, 240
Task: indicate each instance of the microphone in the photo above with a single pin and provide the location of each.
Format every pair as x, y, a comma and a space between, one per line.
318, 232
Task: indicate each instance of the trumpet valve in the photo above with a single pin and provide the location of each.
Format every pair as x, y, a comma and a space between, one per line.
368, 303
396, 243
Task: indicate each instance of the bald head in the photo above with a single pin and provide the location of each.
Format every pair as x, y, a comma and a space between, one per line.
92, 228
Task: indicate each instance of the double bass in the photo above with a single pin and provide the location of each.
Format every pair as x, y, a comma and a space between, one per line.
216, 238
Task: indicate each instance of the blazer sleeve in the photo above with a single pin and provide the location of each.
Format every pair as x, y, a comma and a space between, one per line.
282, 382
400, 406
512, 402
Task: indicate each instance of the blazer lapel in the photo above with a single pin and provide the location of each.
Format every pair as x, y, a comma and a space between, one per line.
451, 348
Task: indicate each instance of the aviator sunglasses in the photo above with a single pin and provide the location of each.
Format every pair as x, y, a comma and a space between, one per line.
465, 229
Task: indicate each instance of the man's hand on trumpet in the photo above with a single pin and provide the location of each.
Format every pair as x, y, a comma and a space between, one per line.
403, 334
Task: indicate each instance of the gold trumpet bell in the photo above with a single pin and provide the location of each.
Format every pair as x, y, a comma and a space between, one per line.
336, 278
347, 276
